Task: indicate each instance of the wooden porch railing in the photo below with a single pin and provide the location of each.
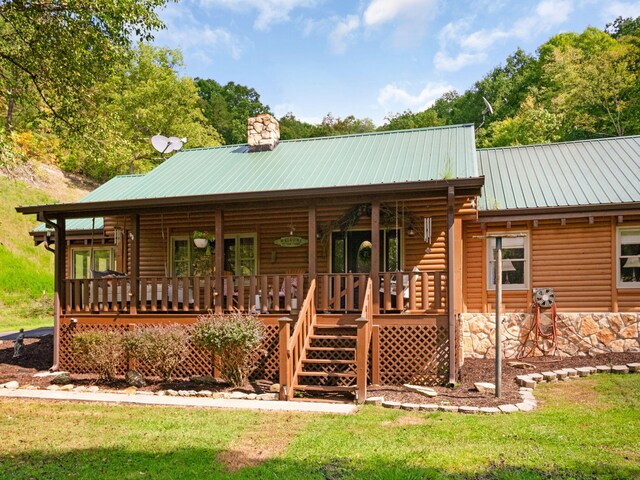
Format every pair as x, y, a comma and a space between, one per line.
336, 293
365, 328
293, 345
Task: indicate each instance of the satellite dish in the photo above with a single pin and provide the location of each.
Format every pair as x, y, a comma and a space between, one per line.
488, 110
167, 144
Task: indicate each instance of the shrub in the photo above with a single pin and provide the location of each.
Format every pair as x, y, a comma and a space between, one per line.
234, 341
98, 352
162, 348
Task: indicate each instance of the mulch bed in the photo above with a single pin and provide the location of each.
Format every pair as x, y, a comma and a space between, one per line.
39, 355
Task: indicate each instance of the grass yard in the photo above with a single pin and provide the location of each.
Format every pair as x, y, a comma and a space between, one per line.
588, 428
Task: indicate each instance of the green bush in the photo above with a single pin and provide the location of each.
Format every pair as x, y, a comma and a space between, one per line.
98, 352
234, 341
163, 348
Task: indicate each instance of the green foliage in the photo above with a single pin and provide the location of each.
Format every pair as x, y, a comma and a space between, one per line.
163, 348
98, 352
234, 341
10, 157
408, 119
228, 108
57, 51
145, 97
291, 127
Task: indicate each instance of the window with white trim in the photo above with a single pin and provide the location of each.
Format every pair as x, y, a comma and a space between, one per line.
85, 260
629, 257
240, 252
515, 265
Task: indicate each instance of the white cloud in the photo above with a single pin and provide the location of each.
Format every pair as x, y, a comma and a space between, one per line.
473, 46
343, 30
444, 62
615, 9
268, 11
383, 11
395, 98
198, 39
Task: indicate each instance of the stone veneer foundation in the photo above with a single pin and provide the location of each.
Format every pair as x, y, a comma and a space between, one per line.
579, 334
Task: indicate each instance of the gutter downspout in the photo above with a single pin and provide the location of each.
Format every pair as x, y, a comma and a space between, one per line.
451, 197
56, 296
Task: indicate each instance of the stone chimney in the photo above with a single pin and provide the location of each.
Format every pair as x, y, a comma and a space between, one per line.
263, 133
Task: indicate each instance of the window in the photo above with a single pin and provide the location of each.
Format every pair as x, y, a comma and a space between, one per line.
86, 259
239, 252
515, 268
629, 257
351, 251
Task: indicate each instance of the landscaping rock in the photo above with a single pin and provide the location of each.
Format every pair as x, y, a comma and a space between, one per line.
489, 410
619, 369
485, 387
412, 407
262, 396
204, 393
448, 408
603, 368
429, 407
550, 376
68, 387
536, 377
237, 395
584, 371
633, 367
508, 408
50, 374
525, 406
183, 393
80, 389
252, 396
525, 381
571, 372
274, 388
62, 379
134, 379
93, 389
522, 365
143, 392
389, 404
374, 401
468, 409
10, 385
130, 390
426, 391
561, 374
172, 393
53, 387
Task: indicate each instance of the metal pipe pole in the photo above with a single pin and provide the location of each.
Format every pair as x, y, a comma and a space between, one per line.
498, 256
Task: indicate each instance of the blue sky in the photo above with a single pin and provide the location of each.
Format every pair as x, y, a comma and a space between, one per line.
365, 58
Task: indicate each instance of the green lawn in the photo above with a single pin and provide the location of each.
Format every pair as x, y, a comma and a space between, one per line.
588, 428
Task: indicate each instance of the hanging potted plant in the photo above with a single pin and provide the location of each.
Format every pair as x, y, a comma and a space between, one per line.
201, 239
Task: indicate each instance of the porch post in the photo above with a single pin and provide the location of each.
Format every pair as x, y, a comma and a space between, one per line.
451, 197
135, 262
375, 254
219, 289
312, 242
59, 296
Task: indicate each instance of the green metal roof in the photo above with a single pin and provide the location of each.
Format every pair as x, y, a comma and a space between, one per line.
588, 172
74, 224
349, 160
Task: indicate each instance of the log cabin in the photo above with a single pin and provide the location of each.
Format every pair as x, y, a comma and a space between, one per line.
368, 257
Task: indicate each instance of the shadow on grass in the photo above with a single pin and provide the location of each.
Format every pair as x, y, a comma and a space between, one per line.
98, 464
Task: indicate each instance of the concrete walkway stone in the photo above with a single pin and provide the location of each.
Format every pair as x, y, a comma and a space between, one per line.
317, 407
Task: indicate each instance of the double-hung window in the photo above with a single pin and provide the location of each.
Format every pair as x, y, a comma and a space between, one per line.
629, 257
240, 256
515, 267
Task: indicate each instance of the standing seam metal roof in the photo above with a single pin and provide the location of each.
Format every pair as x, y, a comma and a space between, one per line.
348, 160
586, 172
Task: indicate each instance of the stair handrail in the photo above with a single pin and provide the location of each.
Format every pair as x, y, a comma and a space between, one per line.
298, 343
365, 330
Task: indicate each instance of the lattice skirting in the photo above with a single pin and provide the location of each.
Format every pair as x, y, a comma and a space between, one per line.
198, 361
417, 354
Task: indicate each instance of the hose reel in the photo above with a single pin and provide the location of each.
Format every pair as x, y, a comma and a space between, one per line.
544, 297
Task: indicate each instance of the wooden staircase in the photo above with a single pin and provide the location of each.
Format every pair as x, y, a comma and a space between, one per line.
329, 367
325, 355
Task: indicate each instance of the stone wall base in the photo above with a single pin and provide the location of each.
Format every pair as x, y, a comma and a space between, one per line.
578, 334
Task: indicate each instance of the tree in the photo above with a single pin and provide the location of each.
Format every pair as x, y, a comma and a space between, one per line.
143, 98
408, 119
623, 26
229, 107
62, 48
292, 128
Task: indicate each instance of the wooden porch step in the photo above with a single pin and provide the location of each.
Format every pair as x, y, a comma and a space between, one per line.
331, 349
333, 337
336, 327
326, 388
328, 361
327, 374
